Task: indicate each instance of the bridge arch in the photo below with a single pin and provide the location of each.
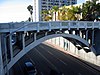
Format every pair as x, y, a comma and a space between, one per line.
37, 42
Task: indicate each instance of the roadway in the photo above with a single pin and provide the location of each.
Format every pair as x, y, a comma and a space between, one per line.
47, 58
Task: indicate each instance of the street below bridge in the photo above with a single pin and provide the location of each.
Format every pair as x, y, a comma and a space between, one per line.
47, 58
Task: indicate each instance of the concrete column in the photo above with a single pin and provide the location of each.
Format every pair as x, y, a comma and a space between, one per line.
1, 60
80, 34
46, 33
23, 38
6, 68
19, 40
11, 50
86, 35
92, 37
35, 36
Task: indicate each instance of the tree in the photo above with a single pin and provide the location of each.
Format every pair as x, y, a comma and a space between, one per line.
55, 9
44, 14
71, 14
76, 11
62, 14
30, 9
48, 18
90, 10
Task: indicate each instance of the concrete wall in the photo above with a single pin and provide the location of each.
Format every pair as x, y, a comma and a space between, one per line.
69, 47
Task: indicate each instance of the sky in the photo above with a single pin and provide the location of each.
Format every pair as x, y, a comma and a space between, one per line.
16, 10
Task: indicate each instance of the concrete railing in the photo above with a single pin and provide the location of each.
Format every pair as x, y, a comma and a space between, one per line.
10, 27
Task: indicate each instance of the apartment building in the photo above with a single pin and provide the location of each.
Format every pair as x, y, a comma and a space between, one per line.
39, 5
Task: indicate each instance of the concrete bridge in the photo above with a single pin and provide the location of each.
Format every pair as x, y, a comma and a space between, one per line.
17, 39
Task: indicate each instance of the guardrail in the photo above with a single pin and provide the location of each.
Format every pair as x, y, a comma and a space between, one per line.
43, 25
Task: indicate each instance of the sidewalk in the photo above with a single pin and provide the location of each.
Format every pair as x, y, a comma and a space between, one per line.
59, 48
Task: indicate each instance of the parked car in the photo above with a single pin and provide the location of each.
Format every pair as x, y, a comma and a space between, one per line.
30, 68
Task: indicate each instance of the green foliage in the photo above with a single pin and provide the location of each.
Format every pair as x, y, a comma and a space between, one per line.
44, 14
30, 9
69, 13
63, 13
55, 9
91, 10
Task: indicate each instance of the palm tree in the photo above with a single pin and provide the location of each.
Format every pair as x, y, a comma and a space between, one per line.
90, 10
30, 9
76, 10
71, 14
55, 9
48, 18
62, 14
44, 14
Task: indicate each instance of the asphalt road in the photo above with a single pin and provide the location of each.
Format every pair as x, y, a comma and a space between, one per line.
47, 58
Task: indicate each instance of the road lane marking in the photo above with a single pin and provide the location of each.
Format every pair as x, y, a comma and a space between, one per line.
79, 74
54, 56
49, 52
41, 73
63, 62
47, 60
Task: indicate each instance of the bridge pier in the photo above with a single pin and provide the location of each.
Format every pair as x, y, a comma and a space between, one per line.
86, 37
10, 43
5, 50
23, 40
19, 39
1, 59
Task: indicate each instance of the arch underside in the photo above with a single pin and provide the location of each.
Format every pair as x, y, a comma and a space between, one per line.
76, 40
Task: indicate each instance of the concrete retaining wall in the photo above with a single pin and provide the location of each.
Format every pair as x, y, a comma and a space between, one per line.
69, 47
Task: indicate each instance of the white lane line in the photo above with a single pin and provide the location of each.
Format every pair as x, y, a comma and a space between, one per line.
42, 73
47, 60
49, 52
54, 56
63, 74
79, 74
63, 62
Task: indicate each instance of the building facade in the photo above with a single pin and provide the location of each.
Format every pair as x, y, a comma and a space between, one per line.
39, 5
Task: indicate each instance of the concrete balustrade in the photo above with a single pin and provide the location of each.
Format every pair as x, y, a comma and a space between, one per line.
22, 26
